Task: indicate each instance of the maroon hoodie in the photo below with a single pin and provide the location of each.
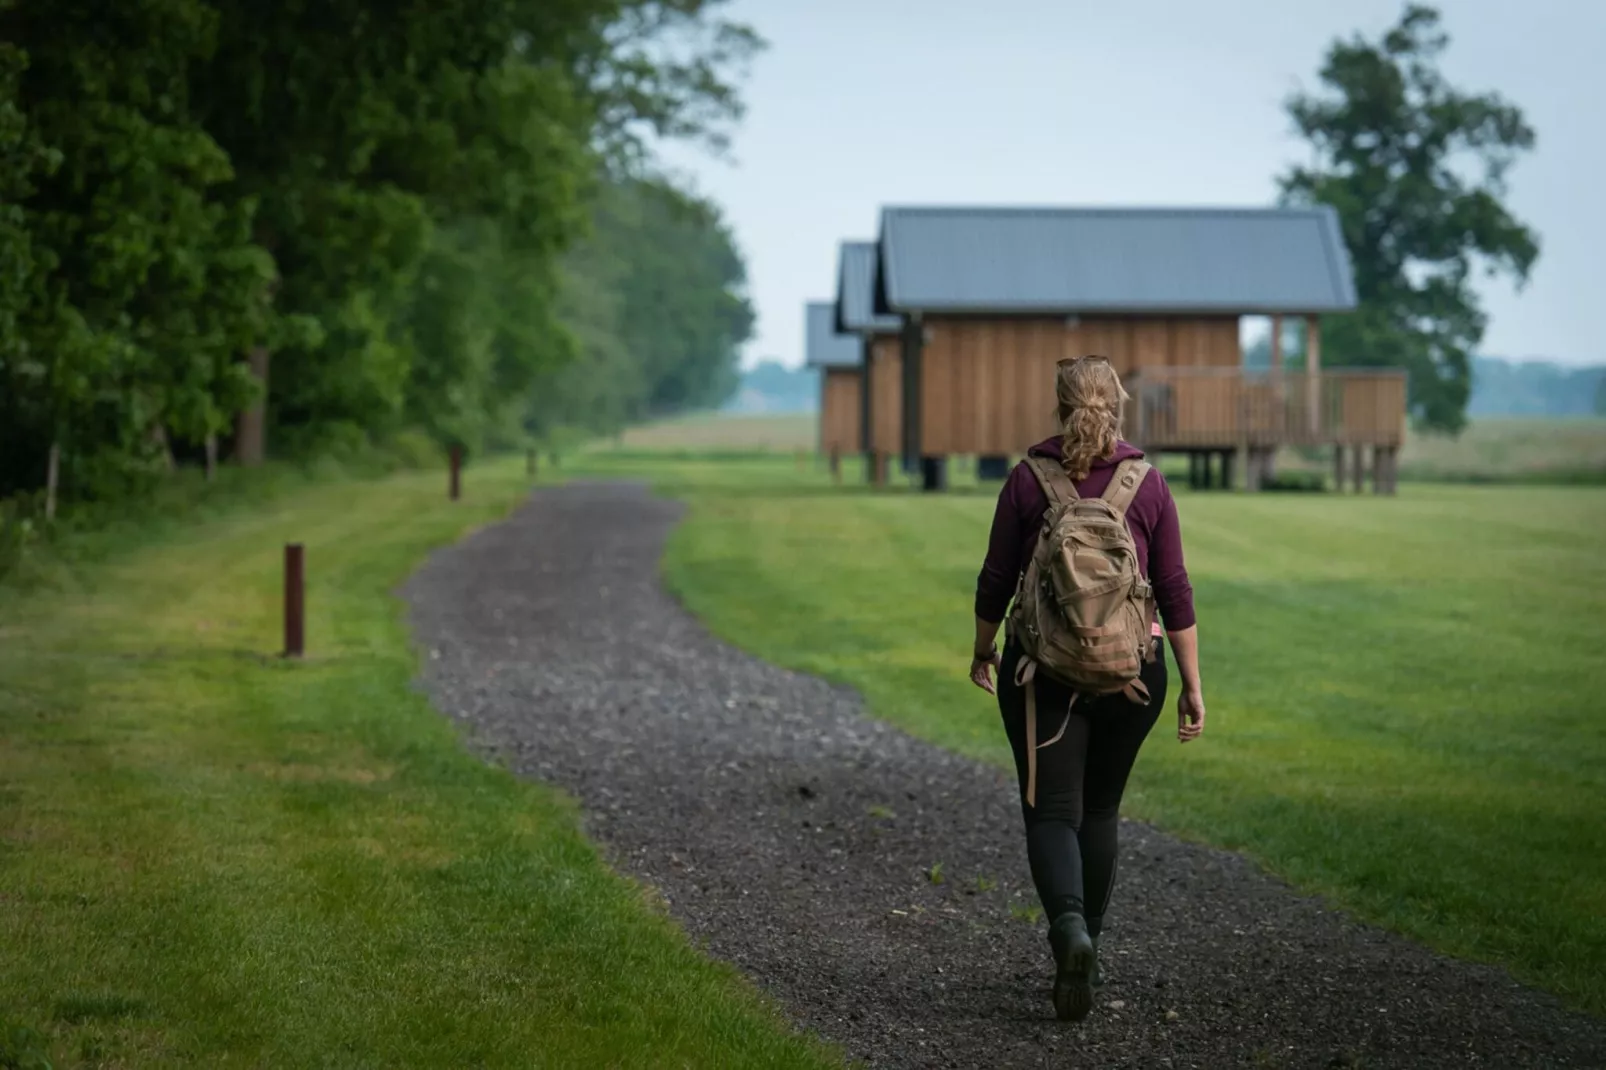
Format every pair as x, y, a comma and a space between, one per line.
1152, 519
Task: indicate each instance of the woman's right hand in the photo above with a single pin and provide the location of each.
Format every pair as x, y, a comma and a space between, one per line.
1190, 714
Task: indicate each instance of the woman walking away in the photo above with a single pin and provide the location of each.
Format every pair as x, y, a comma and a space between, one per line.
1086, 540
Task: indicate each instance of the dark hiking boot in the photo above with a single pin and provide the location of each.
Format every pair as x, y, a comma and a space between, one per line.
1074, 964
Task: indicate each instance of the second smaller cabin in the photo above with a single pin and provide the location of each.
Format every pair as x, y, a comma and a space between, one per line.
836, 356
881, 359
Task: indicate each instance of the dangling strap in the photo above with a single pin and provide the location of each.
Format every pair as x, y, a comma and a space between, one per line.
1026, 677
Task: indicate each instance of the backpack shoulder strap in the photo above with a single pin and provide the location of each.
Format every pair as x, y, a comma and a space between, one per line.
1125, 483
1052, 478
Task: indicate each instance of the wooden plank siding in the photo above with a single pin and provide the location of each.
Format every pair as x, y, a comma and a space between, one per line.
886, 395
840, 412
987, 385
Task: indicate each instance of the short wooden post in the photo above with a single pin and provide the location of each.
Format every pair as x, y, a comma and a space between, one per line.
211, 456
294, 601
1338, 467
456, 464
531, 462
836, 465
1358, 468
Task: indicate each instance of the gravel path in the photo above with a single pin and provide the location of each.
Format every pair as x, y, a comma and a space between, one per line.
792, 835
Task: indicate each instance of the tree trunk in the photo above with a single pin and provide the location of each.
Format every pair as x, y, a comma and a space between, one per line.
211, 456
159, 436
52, 475
250, 428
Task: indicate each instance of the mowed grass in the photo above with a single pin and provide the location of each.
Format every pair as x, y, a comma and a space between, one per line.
211, 857
1405, 694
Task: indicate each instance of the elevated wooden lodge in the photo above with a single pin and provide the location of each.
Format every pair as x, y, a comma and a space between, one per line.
964, 312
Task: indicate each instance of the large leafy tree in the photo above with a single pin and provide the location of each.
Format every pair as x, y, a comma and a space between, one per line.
376, 201
140, 280
1416, 169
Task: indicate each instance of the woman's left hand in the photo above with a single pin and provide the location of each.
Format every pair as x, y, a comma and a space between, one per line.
981, 672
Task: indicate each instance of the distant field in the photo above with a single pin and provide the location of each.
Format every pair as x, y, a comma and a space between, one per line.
1490, 450
1404, 692
1511, 450
714, 431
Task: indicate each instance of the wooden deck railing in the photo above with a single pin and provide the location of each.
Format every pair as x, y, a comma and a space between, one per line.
1219, 408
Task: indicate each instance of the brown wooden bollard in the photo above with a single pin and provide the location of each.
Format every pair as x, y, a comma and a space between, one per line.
530, 463
836, 466
457, 472
295, 606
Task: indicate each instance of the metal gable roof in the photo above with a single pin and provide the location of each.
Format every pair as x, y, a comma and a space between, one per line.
823, 345
855, 291
1157, 260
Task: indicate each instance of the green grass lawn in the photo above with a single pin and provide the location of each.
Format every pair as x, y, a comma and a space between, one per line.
1405, 694
210, 857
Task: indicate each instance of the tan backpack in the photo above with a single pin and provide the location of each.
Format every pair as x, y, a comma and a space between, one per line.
1083, 612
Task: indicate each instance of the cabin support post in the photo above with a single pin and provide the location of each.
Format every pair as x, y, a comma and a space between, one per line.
1358, 468
992, 466
1338, 467
1384, 459
836, 465
1313, 375
1246, 458
1228, 477
933, 473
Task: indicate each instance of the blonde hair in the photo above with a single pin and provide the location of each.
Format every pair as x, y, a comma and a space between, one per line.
1091, 404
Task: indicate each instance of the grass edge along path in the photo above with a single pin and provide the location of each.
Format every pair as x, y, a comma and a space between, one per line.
209, 856
1366, 746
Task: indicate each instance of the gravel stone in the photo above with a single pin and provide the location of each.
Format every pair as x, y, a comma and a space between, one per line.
801, 840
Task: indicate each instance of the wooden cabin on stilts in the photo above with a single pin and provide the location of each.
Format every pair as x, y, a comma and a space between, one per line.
989, 299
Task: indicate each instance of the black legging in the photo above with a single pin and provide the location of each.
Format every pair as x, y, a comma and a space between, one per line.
1071, 833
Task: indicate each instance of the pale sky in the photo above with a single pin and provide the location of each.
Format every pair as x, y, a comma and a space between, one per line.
860, 103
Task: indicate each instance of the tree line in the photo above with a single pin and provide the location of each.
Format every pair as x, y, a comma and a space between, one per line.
229, 227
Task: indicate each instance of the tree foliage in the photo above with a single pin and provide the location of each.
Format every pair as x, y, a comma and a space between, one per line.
656, 300
1416, 170
389, 200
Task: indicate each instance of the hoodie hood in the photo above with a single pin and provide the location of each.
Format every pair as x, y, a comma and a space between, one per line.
1050, 447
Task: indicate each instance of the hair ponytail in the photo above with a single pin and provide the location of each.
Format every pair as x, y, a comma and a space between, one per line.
1091, 404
